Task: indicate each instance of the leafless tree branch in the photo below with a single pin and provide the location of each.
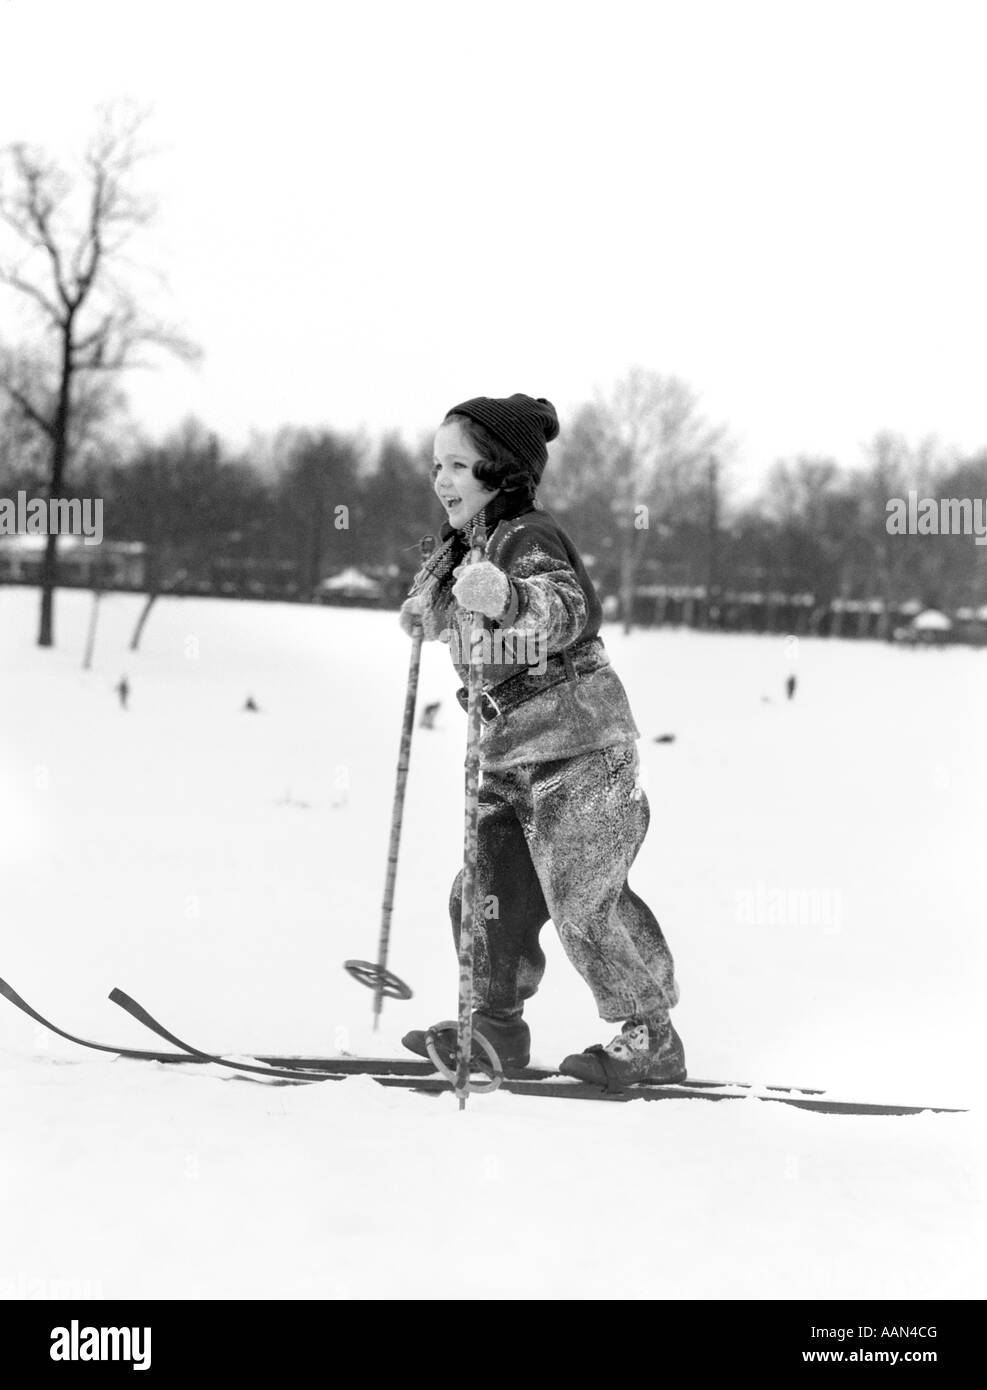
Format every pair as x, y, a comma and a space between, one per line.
99, 330
41, 196
17, 282
37, 416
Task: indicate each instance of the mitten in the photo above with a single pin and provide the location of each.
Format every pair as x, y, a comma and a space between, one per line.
410, 615
483, 588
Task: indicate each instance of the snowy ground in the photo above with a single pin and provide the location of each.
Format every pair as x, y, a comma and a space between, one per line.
817, 866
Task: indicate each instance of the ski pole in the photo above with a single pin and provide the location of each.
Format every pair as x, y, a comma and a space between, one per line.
377, 976
464, 1041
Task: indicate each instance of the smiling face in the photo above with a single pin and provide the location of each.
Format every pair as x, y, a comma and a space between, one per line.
452, 475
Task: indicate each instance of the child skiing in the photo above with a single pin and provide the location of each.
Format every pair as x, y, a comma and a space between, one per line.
561, 814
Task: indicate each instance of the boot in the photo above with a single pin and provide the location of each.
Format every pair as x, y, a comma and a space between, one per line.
644, 1050
510, 1038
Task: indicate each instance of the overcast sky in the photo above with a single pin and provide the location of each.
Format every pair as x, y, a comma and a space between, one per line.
371, 210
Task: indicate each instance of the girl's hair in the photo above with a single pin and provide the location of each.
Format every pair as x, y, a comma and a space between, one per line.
497, 466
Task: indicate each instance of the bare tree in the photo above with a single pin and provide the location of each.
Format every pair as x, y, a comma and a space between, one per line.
802, 505
652, 446
892, 563
69, 236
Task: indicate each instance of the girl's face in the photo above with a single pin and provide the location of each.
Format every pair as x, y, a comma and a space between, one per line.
452, 474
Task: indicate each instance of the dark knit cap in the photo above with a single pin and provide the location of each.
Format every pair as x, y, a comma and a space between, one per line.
521, 423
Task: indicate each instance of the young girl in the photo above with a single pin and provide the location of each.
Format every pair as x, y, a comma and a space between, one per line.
561, 814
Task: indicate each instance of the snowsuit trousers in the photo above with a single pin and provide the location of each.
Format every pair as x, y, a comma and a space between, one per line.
556, 840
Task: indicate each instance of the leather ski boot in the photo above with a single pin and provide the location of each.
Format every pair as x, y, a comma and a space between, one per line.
643, 1050
510, 1038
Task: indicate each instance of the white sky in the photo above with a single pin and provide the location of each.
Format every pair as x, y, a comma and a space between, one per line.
371, 210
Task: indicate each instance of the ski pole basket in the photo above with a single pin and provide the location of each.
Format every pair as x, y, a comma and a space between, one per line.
493, 1077
375, 977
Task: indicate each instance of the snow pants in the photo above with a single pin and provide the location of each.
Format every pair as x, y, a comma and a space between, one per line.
556, 840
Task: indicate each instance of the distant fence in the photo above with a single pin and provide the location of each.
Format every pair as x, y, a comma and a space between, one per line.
801, 614
129, 567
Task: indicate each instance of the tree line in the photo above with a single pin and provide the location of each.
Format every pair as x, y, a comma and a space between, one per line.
316, 502
640, 477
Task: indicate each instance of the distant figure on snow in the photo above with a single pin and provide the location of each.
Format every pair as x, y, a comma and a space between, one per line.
122, 689
251, 704
427, 720
790, 685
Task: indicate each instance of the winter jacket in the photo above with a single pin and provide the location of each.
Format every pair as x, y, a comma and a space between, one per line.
553, 607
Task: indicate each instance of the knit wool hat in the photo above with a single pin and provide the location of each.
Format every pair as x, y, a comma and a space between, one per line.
521, 423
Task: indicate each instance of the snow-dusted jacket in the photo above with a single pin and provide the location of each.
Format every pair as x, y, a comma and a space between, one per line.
553, 607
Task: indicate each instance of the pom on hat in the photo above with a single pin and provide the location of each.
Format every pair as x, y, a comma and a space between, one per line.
521, 423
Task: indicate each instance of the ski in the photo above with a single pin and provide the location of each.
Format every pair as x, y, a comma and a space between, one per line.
531, 1082
399, 1066
294, 1064
185, 1056
401, 1070
12, 997
420, 1076
564, 1088
140, 1013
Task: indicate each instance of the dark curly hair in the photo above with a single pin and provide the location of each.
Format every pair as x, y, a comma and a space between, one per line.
498, 467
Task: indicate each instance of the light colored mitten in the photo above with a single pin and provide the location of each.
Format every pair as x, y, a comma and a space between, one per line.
482, 588
410, 615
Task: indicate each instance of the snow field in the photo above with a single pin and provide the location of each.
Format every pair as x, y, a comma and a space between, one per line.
815, 864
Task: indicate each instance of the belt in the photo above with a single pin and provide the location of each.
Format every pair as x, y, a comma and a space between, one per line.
500, 699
